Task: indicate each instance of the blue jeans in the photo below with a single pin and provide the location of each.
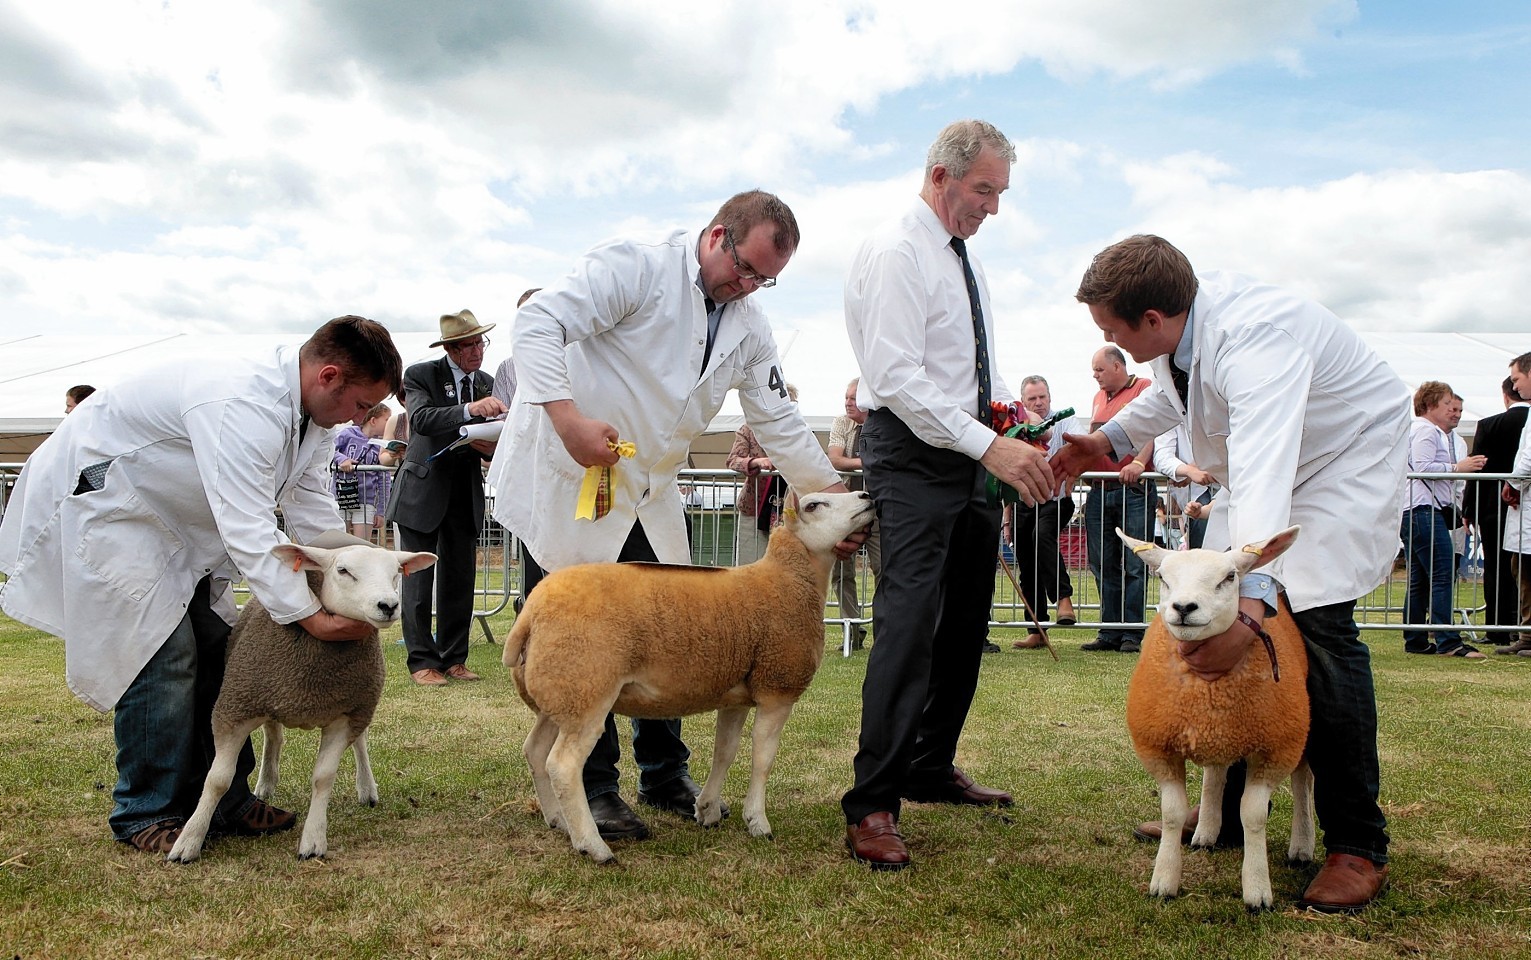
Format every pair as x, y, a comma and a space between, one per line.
1118, 573
1342, 737
659, 751
1431, 580
163, 727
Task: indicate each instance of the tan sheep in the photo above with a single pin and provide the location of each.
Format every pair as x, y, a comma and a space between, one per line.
277, 675
1174, 716
652, 640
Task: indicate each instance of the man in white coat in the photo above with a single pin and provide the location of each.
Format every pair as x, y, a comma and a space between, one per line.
642, 342
129, 523
1301, 423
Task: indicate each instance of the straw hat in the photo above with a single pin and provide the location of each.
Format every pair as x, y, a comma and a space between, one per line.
460, 326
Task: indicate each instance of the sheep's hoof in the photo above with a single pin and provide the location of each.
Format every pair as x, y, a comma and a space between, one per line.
311, 856
1299, 860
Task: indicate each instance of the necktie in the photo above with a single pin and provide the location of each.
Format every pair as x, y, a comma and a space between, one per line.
1181, 381
714, 315
980, 338
303, 427
467, 388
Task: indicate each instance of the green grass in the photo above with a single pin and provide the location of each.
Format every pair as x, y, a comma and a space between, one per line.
456, 862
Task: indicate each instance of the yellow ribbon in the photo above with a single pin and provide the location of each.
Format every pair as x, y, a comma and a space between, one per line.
595, 492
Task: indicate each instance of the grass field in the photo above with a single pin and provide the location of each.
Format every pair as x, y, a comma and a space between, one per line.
456, 862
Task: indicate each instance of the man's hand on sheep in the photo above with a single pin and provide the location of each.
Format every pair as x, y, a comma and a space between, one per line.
851, 545
1022, 466
1209, 659
588, 441
1078, 453
331, 627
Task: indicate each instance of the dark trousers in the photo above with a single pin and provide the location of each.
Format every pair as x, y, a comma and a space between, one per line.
657, 747
1038, 566
163, 726
1501, 593
451, 579
930, 614
1342, 738
1119, 573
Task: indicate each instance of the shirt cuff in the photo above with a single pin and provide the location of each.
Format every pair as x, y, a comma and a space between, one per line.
1260, 586
1120, 446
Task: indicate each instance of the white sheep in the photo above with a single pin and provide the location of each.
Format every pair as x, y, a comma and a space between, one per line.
653, 640
277, 675
1174, 716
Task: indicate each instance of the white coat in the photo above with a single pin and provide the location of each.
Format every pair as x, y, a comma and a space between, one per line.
623, 336
1301, 422
1516, 537
200, 456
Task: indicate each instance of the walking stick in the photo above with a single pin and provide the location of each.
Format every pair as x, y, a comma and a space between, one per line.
1029, 612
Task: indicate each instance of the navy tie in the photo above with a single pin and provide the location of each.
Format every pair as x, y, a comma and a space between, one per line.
467, 389
980, 338
1181, 381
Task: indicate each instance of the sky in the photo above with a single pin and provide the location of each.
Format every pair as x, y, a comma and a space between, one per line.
258, 166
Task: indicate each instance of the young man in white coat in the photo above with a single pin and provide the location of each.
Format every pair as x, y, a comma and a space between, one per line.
129, 523
1302, 423
642, 342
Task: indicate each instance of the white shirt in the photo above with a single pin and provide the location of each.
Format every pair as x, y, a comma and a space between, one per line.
623, 337
911, 326
1430, 451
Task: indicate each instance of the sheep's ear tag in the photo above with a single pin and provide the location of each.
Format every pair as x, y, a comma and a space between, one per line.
790, 513
1142, 548
297, 564
1254, 550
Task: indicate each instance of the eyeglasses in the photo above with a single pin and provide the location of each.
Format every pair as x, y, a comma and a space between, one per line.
482, 343
744, 270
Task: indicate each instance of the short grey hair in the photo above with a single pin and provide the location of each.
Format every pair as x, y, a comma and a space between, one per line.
1035, 378
958, 146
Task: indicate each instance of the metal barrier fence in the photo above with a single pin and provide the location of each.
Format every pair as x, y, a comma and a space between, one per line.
1482, 591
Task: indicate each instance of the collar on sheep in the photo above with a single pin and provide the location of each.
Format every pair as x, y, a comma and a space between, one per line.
1270, 647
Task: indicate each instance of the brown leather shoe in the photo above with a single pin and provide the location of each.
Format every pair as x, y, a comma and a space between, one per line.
876, 842
257, 820
458, 671
1345, 884
959, 789
159, 837
1065, 615
1232, 837
1033, 641
429, 678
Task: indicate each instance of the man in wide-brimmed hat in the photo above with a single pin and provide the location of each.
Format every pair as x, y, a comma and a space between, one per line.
438, 502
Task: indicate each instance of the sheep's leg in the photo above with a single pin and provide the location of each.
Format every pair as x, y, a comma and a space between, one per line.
270, 760
366, 784
769, 720
725, 746
332, 745
1173, 808
566, 764
536, 748
1214, 780
1301, 849
220, 776
1254, 811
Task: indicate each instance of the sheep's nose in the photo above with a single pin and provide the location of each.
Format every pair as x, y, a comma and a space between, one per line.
863, 495
387, 609
1184, 608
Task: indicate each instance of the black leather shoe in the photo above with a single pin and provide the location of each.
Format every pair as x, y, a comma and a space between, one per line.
677, 796
616, 820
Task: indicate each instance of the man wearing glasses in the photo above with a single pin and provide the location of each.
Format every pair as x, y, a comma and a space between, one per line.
641, 342
438, 501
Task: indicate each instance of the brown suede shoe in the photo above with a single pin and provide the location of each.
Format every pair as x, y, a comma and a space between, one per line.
959, 789
1345, 884
1066, 616
1149, 831
429, 678
458, 671
159, 837
877, 843
1033, 641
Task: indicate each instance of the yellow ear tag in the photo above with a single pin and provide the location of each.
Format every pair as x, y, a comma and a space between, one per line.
1254, 550
1142, 547
790, 513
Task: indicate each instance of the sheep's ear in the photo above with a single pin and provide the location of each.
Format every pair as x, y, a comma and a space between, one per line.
1261, 552
414, 562
790, 509
1151, 554
300, 557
